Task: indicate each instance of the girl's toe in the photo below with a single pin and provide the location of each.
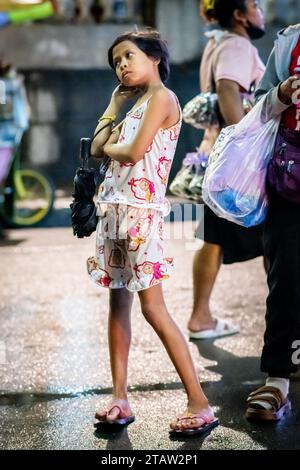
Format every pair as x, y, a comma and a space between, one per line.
101, 415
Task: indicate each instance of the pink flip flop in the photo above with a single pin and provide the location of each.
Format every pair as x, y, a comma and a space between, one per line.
189, 432
114, 422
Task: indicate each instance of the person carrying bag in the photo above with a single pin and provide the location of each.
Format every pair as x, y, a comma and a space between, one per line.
279, 94
229, 65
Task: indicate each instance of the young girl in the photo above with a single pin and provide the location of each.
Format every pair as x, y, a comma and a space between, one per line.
280, 90
129, 248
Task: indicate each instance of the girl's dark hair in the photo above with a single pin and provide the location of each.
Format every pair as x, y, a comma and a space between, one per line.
221, 11
150, 42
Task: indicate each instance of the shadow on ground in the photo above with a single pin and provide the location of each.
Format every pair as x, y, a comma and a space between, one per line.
240, 376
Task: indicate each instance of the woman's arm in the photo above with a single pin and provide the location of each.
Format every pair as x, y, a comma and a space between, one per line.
230, 102
161, 106
288, 92
209, 138
270, 89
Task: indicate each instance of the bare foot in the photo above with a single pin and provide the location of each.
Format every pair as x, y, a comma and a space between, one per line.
193, 418
117, 408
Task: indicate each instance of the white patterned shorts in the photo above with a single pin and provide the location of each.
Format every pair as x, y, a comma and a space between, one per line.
129, 248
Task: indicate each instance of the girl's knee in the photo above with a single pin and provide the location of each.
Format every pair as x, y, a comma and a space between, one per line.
152, 312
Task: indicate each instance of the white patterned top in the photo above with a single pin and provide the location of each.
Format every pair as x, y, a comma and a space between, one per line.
142, 184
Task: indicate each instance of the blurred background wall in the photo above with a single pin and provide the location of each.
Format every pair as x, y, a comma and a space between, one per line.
63, 59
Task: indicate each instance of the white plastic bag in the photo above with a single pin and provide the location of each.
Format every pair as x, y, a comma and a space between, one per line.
234, 186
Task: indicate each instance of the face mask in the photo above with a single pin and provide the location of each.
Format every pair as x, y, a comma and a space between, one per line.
254, 32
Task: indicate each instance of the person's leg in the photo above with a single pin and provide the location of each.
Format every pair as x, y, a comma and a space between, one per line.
155, 312
281, 243
119, 337
266, 264
206, 265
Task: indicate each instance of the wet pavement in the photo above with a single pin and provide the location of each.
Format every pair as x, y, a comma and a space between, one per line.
54, 365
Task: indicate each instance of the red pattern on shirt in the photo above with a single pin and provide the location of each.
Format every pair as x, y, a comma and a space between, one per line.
291, 117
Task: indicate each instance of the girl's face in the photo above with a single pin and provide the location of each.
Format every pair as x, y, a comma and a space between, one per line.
133, 67
254, 13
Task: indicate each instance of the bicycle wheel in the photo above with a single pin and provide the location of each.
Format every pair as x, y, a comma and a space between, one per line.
30, 201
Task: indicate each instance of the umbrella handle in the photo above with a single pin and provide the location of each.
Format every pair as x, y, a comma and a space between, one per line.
85, 151
85, 147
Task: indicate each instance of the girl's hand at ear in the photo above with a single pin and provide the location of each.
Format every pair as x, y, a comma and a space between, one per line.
121, 94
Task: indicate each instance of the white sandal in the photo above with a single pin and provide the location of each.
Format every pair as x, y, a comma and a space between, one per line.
223, 328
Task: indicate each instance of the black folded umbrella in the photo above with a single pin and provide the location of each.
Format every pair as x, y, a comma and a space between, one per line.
83, 210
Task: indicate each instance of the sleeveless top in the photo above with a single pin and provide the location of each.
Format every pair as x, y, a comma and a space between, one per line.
142, 184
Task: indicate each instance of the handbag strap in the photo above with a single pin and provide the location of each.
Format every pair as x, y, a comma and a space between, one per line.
106, 160
104, 127
99, 130
85, 150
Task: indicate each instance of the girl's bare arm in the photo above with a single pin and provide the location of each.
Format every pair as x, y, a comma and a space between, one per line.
103, 136
161, 106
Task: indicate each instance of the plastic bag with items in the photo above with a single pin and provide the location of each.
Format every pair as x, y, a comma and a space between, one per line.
234, 186
188, 181
202, 112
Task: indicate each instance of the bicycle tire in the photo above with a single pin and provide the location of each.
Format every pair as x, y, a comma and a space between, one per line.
31, 200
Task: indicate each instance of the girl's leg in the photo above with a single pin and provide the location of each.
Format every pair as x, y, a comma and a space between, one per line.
155, 312
119, 337
207, 263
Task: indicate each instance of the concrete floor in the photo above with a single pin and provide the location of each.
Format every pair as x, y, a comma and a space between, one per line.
54, 366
